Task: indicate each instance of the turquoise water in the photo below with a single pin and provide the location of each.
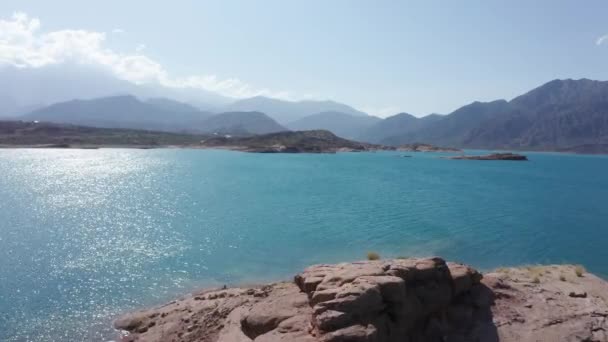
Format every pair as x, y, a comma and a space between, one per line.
87, 234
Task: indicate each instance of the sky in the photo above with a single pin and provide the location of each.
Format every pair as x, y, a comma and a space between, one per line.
382, 56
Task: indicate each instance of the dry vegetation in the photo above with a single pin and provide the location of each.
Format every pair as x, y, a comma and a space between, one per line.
373, 256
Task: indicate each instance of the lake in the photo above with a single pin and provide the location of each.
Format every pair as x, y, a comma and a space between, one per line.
88, 234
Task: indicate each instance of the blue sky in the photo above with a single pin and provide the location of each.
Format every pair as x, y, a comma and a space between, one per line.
380, 56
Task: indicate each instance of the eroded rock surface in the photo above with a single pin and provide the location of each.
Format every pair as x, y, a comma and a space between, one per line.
536, 303
388, 300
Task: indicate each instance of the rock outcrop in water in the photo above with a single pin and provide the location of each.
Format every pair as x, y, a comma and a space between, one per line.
392, 300
494, 156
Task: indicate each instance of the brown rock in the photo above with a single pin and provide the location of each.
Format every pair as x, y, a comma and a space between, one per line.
266, 315
578, 294
388, 300
354, 333
463, 277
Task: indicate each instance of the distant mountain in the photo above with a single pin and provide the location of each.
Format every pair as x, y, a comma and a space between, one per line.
452, 129
242, 123
563, 92
344, 125
395, 125
25, 89
559, 115
124, 111
157, 114
285, 112
172, 105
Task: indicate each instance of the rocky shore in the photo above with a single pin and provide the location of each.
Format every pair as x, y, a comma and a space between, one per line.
389, 300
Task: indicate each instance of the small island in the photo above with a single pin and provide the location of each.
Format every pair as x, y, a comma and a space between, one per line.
421, 147
493, 156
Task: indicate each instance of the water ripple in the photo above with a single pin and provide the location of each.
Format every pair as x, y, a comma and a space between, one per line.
87, 234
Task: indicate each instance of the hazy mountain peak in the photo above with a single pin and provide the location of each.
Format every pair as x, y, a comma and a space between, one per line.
251, 122
432, 116
401, 116
284, 111
393, 125
564, 91
119, 98
25, 88
482, 108
121, 111
171, 105
342, 124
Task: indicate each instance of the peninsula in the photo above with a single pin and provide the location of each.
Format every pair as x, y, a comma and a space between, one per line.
52, 135
43, 134
315, 141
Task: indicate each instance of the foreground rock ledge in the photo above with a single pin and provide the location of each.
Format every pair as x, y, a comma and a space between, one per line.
389, 300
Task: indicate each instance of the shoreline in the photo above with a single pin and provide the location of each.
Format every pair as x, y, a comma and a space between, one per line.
244, 149
521, 303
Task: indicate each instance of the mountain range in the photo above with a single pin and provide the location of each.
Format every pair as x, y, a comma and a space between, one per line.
25, 89
342, 124
285, 112
156, 114
559, 115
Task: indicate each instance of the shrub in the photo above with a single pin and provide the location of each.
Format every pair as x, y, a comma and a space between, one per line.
562, 277
373, 256
536, 280
579, 270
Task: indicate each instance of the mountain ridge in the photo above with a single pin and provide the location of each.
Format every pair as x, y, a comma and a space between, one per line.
285, 112
25, 89
127, 111
557, 115
342, 124
242, 123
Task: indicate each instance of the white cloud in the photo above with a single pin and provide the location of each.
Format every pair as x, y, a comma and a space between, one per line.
601, 39
23, 45
140, 47
118, 31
